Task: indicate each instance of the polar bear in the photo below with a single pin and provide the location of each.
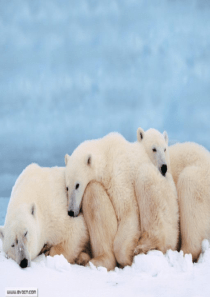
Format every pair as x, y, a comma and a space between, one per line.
190, 167
111, 161
116, 164
157, 195
37, 215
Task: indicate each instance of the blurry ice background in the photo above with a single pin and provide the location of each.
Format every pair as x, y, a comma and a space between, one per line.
76, 70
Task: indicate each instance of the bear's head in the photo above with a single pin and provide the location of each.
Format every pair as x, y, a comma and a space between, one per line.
156, 147
19, 235
79, 172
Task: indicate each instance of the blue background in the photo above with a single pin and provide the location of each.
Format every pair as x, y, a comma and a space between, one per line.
77, 70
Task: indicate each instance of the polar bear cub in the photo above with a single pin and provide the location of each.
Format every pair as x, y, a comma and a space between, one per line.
37, 215
157, 195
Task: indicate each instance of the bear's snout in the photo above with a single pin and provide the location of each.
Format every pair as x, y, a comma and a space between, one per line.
163, 169
71, 213
24, 263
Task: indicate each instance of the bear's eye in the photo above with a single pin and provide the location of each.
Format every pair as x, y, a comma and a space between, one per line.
77, 186
26, 234
165, 150
13, 245
67, 189
154, 149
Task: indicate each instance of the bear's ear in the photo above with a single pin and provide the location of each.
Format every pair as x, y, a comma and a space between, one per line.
33, 209
140, 134
66, 159
1, 232
165, 135
89, 160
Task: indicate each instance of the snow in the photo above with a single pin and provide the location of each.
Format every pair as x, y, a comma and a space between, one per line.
150, 275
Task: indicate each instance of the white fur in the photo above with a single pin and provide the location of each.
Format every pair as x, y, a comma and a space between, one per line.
101, 221
190, 167
113, 162
156, 195
156, 146
37, 215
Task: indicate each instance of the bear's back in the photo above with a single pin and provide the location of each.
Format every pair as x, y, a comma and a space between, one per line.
40, 185
187, 154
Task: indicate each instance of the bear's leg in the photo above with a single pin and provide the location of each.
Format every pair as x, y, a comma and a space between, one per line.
153, 200
62, 249
58, 249
101, 221
193, 188
127, 236
146, 243
83, 258
75, 244
72, 257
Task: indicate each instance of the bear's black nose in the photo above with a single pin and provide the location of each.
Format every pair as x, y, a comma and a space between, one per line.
71, 213
163, 169
24, 263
